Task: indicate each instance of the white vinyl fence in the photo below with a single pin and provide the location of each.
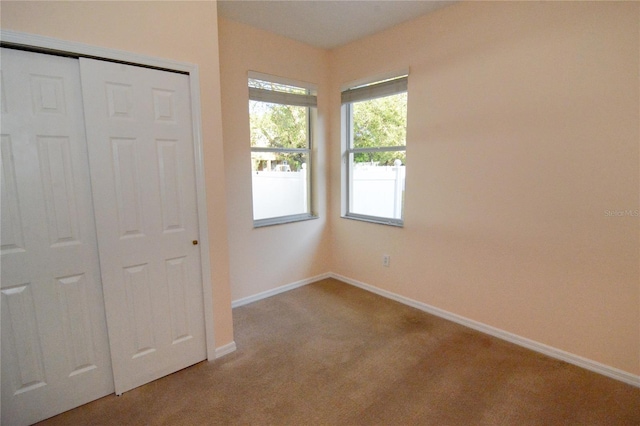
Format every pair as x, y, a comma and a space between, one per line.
376, 191
278, 194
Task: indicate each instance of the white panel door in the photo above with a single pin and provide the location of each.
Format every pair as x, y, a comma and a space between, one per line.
55, 351
141, 158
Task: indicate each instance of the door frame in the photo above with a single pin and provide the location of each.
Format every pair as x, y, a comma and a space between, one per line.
51, 45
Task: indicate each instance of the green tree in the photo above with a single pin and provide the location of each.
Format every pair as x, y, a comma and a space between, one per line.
280, 126
380, 122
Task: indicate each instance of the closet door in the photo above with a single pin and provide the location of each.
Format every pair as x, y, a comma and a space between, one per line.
55, 352
141, 158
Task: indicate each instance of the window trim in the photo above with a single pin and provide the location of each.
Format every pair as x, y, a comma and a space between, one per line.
307, 101
363, 92
281, 220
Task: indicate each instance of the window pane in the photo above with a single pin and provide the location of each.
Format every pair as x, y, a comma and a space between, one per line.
375, 189
278, 126
280, 184
380, 122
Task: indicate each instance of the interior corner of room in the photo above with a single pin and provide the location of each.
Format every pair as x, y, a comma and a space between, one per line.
522, 185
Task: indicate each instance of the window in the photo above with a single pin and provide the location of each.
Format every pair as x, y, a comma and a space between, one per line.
375, 127
280, 116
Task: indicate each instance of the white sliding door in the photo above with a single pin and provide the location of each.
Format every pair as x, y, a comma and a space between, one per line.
141, 158
55, 353
101, 281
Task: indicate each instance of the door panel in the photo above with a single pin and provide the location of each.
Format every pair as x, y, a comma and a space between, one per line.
12, 240
143, 180
55, 351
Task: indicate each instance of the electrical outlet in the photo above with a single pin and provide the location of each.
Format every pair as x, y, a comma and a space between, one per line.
385, 260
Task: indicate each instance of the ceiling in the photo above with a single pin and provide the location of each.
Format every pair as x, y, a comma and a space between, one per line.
325, 23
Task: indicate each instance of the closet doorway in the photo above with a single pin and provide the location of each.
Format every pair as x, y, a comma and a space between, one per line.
101, 279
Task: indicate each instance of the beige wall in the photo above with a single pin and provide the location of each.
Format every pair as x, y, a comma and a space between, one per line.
523, 130
269, 257
181, 31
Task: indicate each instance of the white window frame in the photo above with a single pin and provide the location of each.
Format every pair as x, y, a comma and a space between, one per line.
391, 85
309, 101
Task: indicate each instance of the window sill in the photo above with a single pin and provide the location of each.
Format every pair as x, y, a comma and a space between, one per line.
398, 223
272, 221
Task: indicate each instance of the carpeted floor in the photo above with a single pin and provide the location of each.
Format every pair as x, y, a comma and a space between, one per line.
332, 354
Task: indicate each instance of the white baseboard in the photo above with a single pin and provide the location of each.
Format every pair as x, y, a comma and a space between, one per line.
225, 350
577, 360
278, 290
585, 363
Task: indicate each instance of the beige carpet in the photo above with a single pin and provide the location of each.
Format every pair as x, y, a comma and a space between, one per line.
332, 354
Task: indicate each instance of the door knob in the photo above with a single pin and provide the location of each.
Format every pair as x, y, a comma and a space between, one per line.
195, 242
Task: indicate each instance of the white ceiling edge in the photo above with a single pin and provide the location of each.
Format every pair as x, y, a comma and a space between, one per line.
326, 23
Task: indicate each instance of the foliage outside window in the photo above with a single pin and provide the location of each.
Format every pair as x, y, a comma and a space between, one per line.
375, 130
280, 126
